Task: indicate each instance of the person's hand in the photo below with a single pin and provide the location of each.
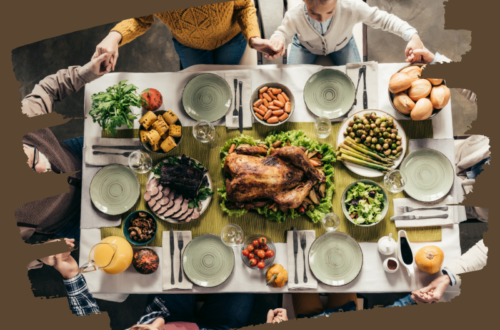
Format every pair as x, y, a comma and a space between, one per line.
424, 54
272, 49
64, 262
158, 324
276, 316
433, 292
98, 64
414, 44
109, 45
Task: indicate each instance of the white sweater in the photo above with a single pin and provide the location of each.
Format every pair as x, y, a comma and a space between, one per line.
347, 14
471, 261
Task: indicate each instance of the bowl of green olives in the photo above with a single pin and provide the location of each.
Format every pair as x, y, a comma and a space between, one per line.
371, 142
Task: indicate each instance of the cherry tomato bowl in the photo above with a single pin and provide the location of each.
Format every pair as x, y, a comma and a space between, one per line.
255, 261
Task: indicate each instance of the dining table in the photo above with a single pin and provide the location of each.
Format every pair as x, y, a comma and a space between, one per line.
371, 279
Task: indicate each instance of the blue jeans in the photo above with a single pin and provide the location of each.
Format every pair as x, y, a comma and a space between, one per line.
301, 55
405, 301
76, 145
350, 306
222, 311
72, 229
229, 54
477, 169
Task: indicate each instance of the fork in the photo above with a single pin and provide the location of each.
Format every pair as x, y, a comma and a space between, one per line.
235, 111
303, 246
411, 209
126, 154
180, 242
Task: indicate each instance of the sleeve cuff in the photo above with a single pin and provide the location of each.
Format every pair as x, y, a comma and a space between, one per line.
86, 74
453, 280
76, 285
408, 33
438, 58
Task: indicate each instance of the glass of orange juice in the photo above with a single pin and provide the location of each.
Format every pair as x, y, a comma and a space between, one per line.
113, 255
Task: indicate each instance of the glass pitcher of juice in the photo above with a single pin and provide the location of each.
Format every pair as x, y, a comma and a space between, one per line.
113, 255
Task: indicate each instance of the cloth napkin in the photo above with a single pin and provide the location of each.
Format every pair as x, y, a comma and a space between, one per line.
167, 271
371, 84
103, 160
245, 77
312, 283
399, 203
446, 147
471, 151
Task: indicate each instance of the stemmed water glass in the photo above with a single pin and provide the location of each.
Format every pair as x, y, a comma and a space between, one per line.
394, 181
331, 222
205, 132
232, 235
140, 162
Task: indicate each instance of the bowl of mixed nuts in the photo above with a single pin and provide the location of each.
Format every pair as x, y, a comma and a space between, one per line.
139, 227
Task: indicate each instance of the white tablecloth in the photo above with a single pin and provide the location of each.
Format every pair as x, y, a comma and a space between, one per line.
372, 277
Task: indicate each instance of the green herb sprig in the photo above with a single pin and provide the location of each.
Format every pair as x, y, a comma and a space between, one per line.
111, 109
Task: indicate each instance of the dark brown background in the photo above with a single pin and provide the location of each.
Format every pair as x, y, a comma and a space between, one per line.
31, 20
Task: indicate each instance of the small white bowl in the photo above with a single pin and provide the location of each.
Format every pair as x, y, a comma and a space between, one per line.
386, 267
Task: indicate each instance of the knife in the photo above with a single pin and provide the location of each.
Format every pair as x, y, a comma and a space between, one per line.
419, 217
172, 248
240, 114
365, 95
295, 251
357, 85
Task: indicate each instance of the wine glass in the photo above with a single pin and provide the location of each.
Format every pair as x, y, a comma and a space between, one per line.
323, 127
205, 132
394, 181
232, 235
140, 162
331, 222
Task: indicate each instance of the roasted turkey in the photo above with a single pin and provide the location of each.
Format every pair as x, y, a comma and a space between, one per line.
286, 177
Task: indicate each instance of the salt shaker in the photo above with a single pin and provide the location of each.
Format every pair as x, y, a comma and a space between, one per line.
387, 245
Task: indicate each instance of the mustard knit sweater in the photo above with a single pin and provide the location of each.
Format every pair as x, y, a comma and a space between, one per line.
207, 27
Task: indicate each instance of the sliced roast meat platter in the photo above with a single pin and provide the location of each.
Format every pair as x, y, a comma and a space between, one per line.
171, 206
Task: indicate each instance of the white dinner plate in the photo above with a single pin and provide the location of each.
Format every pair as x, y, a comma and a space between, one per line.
365, 171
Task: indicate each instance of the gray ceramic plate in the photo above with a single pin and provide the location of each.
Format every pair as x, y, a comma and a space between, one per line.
335, 258
206, 97
114, 189
207, 261
373, 183
429, 174
329, 93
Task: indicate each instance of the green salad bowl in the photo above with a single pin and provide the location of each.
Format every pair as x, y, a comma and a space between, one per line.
346, 210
